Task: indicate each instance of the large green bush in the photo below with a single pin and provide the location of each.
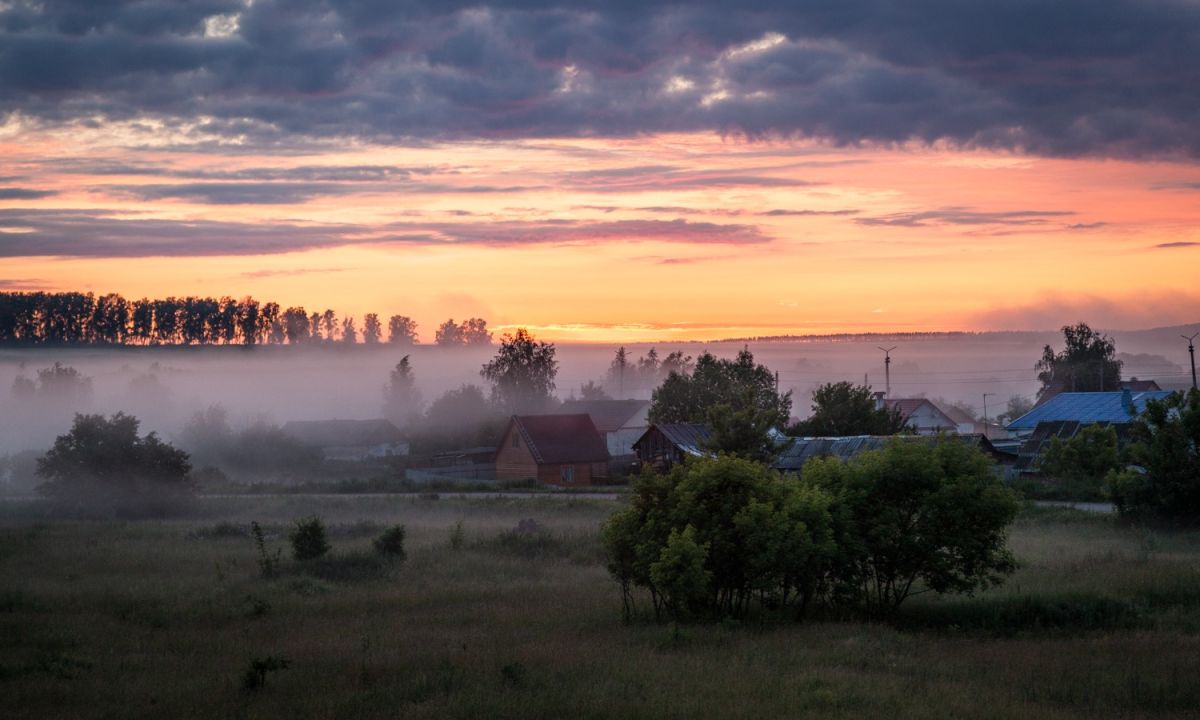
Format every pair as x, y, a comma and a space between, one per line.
719, 537
309, 539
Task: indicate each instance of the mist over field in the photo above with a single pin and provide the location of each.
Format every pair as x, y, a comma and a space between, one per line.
166, 386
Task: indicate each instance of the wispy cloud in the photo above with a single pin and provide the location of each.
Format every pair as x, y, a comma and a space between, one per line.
1177, 244
14, 193
964, 216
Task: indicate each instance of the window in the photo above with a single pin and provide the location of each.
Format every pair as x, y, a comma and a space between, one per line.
568, 473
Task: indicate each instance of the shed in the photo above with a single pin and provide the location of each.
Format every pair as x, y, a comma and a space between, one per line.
665, 444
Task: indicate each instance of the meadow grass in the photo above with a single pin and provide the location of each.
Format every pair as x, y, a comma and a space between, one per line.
164, 618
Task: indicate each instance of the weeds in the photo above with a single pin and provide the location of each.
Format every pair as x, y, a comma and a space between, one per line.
457, 536
268, 564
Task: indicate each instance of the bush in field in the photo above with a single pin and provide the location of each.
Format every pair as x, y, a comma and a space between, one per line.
391, 543
716, 537
1164, 483
309, 540
102, 463
756, 535
915, 518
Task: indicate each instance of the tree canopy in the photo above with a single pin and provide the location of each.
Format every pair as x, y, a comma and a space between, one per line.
843, 408
522, 373
103, 462
1087, 362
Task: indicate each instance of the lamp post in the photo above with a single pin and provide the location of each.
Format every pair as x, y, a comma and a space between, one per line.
986, 434
1192, 353
887, 370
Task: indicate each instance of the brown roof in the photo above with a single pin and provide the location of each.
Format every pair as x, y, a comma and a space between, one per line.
959, 416
562, 438
608, 415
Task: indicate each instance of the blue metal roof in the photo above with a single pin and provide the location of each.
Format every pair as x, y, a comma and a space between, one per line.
1088, 407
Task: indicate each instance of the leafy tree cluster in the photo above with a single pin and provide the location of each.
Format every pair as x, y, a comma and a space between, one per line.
57, 384
1087, 362
401, 397
1080, 466
720, 537
522, 373
1163, 482
1017, 406
628, 377
843, 408
259, 449
103, 464
73, 318
470, 332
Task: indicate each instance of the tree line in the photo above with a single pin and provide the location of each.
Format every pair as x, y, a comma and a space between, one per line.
74, 318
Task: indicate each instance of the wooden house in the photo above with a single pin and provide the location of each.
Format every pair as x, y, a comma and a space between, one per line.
552, 449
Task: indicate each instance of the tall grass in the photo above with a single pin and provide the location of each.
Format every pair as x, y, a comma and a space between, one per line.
164, 618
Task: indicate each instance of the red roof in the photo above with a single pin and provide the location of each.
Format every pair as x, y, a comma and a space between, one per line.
562, 438
906, 406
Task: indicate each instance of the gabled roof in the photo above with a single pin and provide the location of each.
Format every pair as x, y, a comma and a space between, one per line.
607, 415
906, 406
959, 416
690, 438
561, 438
343, 433
1089, 407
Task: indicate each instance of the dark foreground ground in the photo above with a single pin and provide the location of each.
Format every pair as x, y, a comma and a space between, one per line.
164, 619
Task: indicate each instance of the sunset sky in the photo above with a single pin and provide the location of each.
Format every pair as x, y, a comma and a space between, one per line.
605, 171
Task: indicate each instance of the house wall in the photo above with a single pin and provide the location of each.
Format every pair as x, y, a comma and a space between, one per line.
928, 420
515, 462
582, 473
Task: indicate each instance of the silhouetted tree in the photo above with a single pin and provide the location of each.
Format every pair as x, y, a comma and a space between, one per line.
104, 461
371, 329
474, 331
619, 372
349, 334
448, 334
592, 391
1087, 363
522, 373
401, 398
402, 330
295, 325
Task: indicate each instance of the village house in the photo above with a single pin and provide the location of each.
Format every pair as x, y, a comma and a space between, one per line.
552, 449
349, 440
926, 417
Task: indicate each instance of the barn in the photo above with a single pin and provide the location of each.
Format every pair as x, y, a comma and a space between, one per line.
563, 450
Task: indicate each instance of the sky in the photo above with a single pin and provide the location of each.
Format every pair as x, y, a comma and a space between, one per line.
613, 171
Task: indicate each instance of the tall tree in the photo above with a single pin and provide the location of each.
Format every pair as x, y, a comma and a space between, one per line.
737, 383
371, 329
349, 333
295, 325
522, 373
329, 324
1087, 363
843, 408
401, 398
474, 331
449, 334
1165, 481
619, 372
402, 330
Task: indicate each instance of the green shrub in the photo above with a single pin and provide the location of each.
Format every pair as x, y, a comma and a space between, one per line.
391, 543
268, 563
309, 539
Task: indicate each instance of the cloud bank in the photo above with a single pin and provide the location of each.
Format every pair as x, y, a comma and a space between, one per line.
1105, 78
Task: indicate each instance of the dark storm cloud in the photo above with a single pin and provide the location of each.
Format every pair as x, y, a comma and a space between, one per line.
964, 216
1070, 77
101, 233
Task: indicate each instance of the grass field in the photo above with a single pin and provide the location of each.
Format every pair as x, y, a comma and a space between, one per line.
163, 619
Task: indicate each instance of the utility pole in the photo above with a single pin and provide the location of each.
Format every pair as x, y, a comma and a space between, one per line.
1192, 352
986, 434
887, 370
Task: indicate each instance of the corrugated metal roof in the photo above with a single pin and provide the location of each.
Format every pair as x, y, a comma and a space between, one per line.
688, 437
1089, 407
800, 450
